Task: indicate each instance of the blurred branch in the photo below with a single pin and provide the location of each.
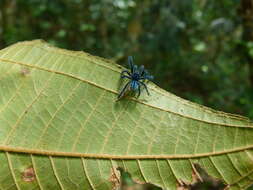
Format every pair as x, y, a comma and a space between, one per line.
7, 17
246, 12
2, 22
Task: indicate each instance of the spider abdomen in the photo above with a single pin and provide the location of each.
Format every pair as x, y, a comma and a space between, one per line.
134, 85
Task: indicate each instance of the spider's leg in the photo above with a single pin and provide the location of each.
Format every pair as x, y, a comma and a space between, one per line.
145, 86
125, 71
135, 69
124, 76
141, 70
123, 90
139, 91
131, 63
148, 77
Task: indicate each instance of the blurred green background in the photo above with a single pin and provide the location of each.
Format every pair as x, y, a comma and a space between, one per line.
198, 49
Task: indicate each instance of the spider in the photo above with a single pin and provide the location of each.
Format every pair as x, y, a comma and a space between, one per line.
136, 76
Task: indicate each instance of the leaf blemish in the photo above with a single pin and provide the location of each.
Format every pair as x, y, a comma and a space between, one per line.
25, 71
28, 175
114, 179
127, 183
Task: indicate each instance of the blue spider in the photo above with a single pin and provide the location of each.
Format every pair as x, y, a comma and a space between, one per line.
137, 77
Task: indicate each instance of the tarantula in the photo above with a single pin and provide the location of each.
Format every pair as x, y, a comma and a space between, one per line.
137, 77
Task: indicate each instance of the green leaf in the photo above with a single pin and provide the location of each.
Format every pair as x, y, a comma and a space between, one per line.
127, 183
62, 128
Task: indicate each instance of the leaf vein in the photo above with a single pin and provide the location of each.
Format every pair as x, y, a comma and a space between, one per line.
35, 171
55, 173
86, 174
12, 171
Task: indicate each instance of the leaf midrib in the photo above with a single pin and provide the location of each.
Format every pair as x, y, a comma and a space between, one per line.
121, 157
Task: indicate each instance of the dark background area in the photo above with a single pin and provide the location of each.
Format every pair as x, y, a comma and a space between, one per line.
201, 50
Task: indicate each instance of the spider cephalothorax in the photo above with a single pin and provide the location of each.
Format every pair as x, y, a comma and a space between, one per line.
137, 77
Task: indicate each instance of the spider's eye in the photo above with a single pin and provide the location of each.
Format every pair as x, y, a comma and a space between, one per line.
130, 59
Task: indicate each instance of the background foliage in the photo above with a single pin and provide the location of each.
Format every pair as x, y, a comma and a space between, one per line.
200, 50
194, 48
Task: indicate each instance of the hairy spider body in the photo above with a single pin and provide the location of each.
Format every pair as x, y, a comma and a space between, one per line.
137, 77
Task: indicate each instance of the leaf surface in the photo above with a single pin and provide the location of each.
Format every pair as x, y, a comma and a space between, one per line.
62, 128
